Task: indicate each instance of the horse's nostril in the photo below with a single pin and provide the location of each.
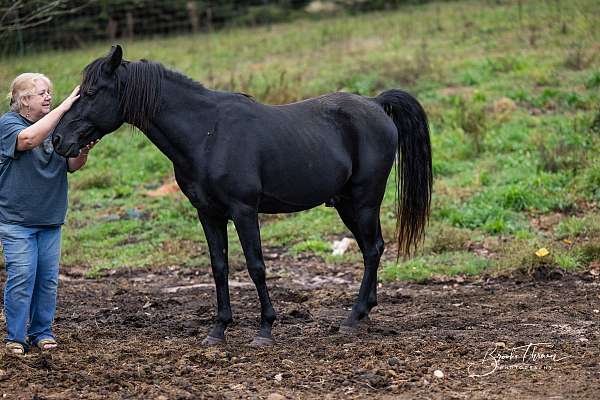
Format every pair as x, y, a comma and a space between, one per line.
56, 140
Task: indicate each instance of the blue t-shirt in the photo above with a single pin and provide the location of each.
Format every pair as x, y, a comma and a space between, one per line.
33, 183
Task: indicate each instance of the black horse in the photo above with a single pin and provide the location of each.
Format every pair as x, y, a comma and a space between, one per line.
234, 158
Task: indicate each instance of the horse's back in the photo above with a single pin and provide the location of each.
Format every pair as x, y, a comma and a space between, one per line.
300, 154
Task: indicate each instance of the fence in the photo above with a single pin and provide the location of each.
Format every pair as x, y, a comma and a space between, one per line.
30, 25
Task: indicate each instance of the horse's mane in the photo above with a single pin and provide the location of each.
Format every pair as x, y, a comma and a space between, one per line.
142, 87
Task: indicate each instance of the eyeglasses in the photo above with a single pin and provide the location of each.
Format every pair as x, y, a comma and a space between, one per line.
45, 93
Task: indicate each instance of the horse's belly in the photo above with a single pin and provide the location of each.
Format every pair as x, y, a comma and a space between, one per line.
273, 205
302, 189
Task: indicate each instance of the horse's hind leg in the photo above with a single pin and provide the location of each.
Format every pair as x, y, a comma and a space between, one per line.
215, 230
246, 224
365, 225
345, 209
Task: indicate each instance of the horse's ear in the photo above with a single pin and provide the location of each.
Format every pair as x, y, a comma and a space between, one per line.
115, 56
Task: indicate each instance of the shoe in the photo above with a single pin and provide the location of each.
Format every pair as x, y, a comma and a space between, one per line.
15, 348
46, 344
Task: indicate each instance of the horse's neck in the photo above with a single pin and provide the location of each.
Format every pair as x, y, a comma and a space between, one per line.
187, 117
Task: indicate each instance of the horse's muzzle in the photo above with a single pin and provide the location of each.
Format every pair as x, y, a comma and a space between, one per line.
63, 148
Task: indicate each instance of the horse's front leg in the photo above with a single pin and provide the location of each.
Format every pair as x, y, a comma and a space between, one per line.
246, 223
215, 230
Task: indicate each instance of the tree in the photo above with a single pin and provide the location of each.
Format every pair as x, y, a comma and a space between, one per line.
17, 16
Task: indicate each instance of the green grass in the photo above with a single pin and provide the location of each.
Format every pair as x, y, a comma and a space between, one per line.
512, 103
427, 267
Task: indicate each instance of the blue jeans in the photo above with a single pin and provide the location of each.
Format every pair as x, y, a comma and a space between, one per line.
31, 257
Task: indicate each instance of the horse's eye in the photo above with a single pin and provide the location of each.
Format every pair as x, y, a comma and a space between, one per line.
90, 92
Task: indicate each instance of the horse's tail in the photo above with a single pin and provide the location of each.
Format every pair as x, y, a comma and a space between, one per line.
415, 177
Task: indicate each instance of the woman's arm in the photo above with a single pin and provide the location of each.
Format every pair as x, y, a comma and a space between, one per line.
35, 134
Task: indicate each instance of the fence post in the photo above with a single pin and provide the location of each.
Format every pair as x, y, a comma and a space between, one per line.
193, 14
111, 29
20, 43
209, 18
130, 24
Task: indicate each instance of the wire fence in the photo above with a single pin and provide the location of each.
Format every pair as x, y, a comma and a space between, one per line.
32, 25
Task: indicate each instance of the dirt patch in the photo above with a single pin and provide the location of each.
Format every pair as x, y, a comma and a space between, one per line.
137, 335
168, 188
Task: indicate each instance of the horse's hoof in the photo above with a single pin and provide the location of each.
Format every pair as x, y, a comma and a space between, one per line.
261, 341
212, 341
347, 330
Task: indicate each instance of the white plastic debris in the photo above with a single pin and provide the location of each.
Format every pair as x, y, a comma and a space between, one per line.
341, 246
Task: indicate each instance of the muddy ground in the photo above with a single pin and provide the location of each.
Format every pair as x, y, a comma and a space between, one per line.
137, 334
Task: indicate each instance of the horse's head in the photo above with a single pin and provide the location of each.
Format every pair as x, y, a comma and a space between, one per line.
98, 110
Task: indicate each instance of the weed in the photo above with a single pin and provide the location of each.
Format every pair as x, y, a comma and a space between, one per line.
518, 198
503, 64
534, 34
593, 80
521, 254
315, 246
591, 182
576, 58
447, 238
544, 77
563, 155
470, 116
503, 108
93, 180
567, 261
423, 58
587, 226
590, 252
564, 145
595, 126
406, 70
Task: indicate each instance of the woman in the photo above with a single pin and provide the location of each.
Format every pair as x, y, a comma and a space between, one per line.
33, 205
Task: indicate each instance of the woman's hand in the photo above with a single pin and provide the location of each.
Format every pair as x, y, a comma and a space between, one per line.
68, 102
76, 163
86, 149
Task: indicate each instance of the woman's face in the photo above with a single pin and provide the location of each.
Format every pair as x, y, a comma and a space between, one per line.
39, 103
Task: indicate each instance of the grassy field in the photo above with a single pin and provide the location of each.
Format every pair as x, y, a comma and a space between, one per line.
512, 90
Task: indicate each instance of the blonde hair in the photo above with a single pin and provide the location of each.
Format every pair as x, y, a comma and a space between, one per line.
23, 86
